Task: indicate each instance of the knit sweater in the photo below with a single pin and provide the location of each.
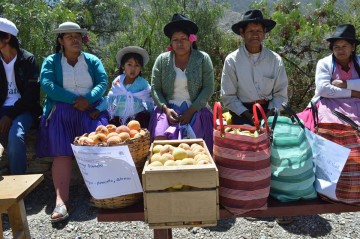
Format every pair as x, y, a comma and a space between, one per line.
51, 81
199, 73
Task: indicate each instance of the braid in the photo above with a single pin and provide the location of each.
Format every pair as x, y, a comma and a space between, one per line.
356, 63
58, 47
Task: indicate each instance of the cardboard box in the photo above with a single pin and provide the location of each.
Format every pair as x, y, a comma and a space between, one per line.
197, 204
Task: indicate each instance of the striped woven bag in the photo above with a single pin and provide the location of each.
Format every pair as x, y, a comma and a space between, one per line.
243, 162
292, 165
348, 186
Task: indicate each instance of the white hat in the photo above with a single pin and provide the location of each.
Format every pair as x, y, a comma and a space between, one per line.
67, 27
132, 49
8, 26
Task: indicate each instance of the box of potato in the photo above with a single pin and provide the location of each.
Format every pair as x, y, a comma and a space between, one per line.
180, 183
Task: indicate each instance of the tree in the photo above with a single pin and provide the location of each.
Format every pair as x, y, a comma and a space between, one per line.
299, 37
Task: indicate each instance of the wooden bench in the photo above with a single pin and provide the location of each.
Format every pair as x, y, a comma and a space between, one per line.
13, 190
275, 209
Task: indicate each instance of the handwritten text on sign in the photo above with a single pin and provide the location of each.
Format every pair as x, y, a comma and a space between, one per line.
329, 160
107, 171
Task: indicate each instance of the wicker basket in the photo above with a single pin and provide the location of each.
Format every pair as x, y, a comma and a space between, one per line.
117, 202
139, 150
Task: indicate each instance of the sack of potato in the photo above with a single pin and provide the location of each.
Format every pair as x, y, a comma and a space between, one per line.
110, 135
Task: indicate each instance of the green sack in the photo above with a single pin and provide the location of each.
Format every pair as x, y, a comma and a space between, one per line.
292, 176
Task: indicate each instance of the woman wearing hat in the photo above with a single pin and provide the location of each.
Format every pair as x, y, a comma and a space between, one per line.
337, 77
19, 95
74, 82
253, 73
182, 82
129, 96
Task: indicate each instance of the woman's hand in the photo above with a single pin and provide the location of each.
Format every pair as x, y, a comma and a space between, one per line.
248, 116
82, 104
355, 94
339, 83
187, 115
171, 115
94, 114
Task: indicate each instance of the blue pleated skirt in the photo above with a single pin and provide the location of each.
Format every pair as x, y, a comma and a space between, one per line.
57, 132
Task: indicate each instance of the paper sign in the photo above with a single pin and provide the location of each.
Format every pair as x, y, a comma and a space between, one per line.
329, 160
107, 171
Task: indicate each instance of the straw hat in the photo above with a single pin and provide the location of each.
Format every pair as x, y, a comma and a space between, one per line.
67, 27
132, 49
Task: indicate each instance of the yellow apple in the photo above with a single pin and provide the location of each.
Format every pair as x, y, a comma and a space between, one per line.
178, 186
155, 164
169, 163
179, 153
188, 161
157, 148
184, 146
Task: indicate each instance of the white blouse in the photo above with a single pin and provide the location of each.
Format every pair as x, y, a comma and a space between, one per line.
181, 91
76, 79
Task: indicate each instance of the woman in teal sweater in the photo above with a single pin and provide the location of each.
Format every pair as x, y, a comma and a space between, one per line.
74, 82
182, 83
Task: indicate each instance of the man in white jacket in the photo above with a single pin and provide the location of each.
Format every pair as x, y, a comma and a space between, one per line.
253, 73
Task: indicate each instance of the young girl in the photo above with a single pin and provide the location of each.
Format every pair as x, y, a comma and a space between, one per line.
129, 96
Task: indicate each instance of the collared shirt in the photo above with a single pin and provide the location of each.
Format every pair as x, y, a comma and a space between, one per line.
76, 78
243, 80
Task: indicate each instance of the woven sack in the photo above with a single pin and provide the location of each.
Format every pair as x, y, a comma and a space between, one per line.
348, 186
292, 167
243, 163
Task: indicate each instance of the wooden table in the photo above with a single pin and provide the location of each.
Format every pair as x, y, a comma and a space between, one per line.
13, 190
275, 209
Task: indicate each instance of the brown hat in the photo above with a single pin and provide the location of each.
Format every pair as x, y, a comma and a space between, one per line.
253, 16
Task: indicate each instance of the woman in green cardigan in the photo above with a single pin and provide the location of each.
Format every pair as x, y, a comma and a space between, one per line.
182, 83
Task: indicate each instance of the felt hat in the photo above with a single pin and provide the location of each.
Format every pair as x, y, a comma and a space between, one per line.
253, 16
68, 27
8, 26
345, 32
182, 22
132, 49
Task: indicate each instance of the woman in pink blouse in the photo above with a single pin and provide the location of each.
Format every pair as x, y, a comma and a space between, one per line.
337, 77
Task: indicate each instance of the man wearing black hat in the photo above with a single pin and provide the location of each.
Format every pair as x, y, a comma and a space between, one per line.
252, 73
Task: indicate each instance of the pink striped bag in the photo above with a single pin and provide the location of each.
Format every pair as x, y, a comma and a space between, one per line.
243, 162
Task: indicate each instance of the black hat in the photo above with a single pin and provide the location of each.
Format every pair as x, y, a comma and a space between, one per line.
182, 22
253, 16
345, 32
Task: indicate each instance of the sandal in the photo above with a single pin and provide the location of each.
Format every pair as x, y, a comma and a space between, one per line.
61, 209
284, 220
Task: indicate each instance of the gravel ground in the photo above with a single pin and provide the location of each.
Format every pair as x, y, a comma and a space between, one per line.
82, 223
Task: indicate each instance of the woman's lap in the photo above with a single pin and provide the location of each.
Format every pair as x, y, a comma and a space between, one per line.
56, 134
348, 106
